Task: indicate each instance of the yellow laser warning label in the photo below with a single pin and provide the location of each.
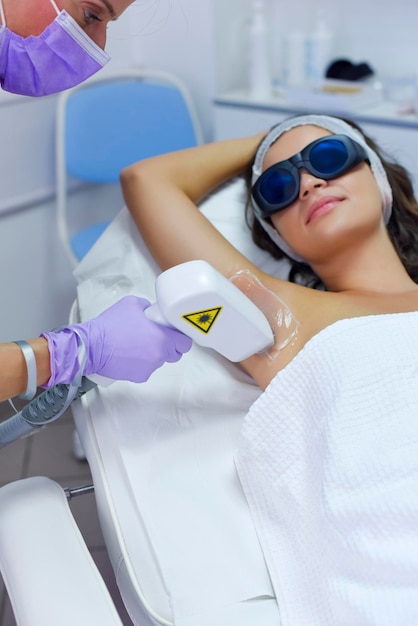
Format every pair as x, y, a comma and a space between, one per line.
203, 320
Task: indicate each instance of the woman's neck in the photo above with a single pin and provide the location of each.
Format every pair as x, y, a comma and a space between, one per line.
370, 269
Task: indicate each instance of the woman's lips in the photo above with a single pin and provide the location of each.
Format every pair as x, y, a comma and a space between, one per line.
322, 206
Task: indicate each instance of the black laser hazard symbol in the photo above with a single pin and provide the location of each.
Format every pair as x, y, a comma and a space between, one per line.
203, 320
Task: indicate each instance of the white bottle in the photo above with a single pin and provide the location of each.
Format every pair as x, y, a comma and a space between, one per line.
318, 50
416, 94
259, 72
295, 60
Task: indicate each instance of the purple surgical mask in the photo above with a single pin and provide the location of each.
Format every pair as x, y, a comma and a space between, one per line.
61, 57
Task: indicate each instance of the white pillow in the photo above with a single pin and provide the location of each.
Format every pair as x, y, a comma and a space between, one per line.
226, 210
120, 263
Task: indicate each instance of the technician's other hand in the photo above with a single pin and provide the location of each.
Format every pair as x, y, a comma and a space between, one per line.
122, 344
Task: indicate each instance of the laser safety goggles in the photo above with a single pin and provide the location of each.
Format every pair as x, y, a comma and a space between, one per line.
326, 158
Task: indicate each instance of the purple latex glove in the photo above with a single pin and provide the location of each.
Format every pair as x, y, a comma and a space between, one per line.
121, 344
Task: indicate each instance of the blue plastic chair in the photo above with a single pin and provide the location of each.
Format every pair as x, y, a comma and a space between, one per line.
110, 122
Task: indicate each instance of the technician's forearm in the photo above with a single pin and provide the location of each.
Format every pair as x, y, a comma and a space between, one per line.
13, 373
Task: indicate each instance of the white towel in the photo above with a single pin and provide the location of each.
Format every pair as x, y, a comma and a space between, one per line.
328, 458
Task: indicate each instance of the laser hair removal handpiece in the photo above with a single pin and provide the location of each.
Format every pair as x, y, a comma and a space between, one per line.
199, 301
192, 297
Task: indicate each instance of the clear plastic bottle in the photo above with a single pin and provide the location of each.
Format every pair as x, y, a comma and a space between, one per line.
295, 58
416, 94
318, 49
259, 78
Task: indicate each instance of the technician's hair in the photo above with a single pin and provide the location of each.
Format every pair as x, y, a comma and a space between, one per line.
402, 226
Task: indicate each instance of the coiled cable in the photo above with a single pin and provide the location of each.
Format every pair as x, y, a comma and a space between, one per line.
42, 410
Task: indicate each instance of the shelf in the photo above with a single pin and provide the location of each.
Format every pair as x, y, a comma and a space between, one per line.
383, 113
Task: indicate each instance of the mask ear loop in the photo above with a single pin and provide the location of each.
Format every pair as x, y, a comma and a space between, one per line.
54, 4
2, 15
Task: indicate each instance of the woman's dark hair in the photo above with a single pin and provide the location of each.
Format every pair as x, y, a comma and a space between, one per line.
402, 226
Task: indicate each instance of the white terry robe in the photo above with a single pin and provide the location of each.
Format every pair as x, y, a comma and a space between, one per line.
328, 459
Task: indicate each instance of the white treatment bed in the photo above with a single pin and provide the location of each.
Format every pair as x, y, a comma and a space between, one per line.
176, 524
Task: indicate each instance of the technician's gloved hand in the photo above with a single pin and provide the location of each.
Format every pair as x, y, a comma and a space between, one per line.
121, 343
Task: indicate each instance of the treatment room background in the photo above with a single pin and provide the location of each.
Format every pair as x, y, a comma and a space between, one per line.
206, 43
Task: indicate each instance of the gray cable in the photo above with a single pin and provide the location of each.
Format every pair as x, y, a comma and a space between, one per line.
44, 409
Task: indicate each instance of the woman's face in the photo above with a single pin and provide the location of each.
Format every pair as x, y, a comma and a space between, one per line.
31, 17
327, 212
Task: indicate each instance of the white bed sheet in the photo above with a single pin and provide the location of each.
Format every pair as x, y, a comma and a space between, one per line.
174, 439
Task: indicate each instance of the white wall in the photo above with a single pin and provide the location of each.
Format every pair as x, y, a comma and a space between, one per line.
33, 273
380, 32
176, 36
36, 283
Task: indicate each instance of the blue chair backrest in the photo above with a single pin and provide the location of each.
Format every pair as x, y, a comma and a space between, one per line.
112, 125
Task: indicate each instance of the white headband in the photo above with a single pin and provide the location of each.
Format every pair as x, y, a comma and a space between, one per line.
336, 126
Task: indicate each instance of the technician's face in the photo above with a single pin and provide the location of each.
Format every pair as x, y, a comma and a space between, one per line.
31, 17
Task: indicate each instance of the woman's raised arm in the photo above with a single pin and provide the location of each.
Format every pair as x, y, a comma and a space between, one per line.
162, 193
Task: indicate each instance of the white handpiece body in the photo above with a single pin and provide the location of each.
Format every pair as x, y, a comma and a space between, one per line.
199, 301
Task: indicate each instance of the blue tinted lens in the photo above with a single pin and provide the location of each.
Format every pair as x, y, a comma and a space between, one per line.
277, 186
328, 157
